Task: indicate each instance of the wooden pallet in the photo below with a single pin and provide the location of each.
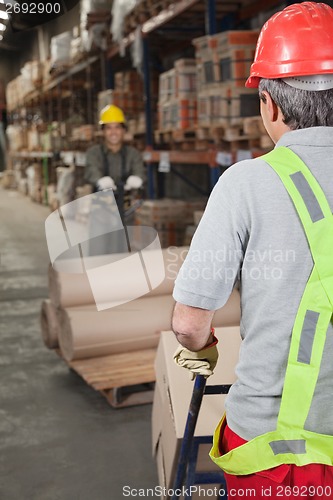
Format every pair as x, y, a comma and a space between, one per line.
125, 379
249, 133
143, 11
182, 140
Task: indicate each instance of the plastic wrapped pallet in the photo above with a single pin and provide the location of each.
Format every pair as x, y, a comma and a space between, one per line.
60, 48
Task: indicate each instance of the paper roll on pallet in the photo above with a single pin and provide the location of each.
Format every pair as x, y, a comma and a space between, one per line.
49, 324
85, 332
74, 290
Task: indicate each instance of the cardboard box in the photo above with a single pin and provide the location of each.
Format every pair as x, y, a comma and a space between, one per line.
225, 57
173, 392
225, 105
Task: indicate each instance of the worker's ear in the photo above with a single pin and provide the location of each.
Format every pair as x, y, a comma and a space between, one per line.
272, 110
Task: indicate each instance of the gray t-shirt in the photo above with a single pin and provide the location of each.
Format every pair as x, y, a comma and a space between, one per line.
251, 236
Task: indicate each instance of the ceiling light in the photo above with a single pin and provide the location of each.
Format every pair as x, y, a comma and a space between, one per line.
3, 15
2, 27
1, 37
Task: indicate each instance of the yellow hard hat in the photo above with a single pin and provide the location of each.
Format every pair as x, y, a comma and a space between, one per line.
111, 114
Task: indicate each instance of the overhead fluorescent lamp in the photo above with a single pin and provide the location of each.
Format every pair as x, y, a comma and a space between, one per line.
2, 27
1, 37
3, 15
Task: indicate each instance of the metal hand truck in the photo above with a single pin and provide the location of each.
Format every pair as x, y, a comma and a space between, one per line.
186, 474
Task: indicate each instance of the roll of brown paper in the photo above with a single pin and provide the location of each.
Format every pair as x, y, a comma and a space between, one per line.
73, 290
85, 332
49, 324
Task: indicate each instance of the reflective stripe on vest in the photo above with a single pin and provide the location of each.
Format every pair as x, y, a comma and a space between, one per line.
290, 443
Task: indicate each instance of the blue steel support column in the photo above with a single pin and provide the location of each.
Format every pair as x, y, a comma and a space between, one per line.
211, 29
214, 173
109, 75
148, 116
211, 17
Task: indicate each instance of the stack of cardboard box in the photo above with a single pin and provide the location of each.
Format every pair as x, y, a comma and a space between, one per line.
177, 105
223, 65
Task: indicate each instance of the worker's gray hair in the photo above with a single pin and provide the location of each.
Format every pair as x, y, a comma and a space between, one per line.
300, 108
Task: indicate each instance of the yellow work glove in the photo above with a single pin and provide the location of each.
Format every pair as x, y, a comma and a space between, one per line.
201, 362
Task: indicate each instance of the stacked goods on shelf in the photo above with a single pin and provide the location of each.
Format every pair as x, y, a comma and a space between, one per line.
142, 11
76, 50
128, 92
35, 182
85, 133
95, 17
60, 49
104, 98
177, 104
97, 9
173, 391
8, 179
169, 217
223, 64
16, 137
30, 78
12, 94
128, 95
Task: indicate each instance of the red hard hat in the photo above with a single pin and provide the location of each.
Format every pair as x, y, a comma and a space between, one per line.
296, 41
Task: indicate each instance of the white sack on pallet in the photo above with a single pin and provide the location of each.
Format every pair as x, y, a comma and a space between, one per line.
120, 9
60, 48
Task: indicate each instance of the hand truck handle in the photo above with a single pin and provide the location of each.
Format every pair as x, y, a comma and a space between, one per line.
192, 417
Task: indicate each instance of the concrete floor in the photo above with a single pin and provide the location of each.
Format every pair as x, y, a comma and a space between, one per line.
59, 439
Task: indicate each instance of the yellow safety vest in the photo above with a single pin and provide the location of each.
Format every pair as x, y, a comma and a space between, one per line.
290, 443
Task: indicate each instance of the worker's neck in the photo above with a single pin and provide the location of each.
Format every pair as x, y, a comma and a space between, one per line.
115, 148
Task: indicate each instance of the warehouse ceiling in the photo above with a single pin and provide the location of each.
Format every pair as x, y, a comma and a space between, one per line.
175, 33
25, 14
23, 19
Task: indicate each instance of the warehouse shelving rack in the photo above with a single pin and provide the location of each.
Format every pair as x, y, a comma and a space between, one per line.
175, 17
173, 27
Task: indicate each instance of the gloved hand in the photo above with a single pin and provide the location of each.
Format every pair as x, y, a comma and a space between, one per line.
106, 183
201, 362
133, 182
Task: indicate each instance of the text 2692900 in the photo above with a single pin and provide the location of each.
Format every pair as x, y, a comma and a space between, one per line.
33, 8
